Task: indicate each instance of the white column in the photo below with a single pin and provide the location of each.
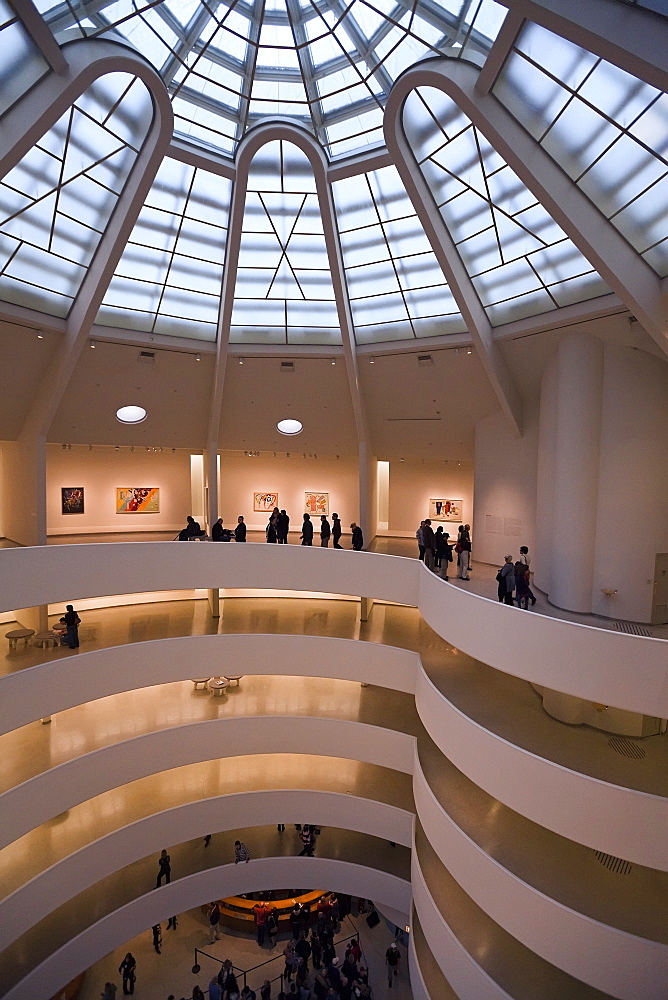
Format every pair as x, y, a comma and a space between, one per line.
543, 557
576, 470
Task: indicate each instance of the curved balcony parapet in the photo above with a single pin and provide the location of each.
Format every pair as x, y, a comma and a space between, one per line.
574, 659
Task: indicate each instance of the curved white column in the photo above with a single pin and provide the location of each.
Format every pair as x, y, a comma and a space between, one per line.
603, 816
576, 470
83, 868
54, 687
575, 659
606, 957
184, 894
52, 792
546, 651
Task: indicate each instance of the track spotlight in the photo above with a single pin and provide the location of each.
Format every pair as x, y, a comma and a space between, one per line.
93, 345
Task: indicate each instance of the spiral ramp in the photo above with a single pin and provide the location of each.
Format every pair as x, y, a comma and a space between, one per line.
503, 819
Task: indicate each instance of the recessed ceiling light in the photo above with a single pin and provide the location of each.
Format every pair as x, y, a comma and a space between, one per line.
131, 414
289, 427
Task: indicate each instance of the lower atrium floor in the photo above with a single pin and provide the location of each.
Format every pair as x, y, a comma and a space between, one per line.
170, 971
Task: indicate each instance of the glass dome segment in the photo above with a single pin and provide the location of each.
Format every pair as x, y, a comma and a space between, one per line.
521, 263
284, 292
56, 202
169, 278
327, 64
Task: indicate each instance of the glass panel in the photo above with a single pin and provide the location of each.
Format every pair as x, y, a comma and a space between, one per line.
170, 274
509, 244
304, 61
386, 262
56, 203
603, 126
284, 278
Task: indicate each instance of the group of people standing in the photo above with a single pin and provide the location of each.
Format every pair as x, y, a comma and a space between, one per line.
278, 529
514, 580
435, 550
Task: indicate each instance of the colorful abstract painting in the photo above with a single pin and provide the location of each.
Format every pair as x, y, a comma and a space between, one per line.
445, 510
72, 499
265, 501
316, 503
138, 500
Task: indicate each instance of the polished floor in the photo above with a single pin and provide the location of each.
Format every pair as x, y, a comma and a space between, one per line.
169, 972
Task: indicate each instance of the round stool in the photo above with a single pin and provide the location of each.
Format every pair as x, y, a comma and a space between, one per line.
18, 635
200, 680
233, 678
43, 639
218, 685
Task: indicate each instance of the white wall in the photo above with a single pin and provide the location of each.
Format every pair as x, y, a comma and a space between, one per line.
504, 513
413, 483
100, 472
241, 476
632, 513
602, 498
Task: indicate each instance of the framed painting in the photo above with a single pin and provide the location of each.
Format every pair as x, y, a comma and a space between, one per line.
265, 501
138, 500
72, 499
445, 510
316, 503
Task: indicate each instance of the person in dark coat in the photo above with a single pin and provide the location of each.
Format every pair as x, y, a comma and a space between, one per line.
282, 528
128, 970
240, 530
325, 532
72, 622
157, 938
336, 531
219, 533
307, 530
357, 539
164, 869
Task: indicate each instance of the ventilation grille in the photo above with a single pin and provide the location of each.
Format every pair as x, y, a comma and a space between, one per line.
146, 358
627, 748
616, 865
287, 366
632, 629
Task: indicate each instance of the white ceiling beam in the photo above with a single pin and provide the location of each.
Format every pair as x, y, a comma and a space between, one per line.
448, 257
39, 31
635, 40
499, 52
617, 262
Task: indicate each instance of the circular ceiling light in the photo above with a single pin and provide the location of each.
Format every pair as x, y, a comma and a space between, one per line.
131, 414
289, 427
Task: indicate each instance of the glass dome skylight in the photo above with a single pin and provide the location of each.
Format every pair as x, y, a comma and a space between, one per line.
328, 64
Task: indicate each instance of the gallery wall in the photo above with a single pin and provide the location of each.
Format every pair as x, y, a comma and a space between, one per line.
241, 477
100, 472
414, 483
505, 487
